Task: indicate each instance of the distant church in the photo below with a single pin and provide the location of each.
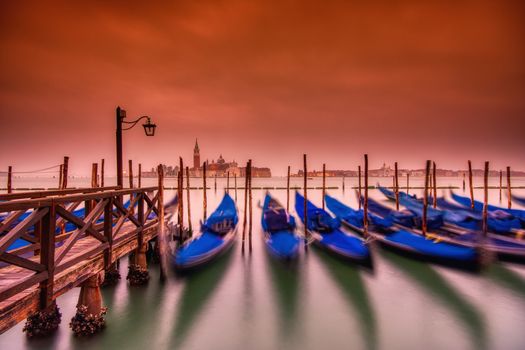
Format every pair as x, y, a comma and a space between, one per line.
221, 168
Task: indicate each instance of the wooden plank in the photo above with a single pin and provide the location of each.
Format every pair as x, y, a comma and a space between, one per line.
80, 223
40, 194
10, 220
19, 261
22, 284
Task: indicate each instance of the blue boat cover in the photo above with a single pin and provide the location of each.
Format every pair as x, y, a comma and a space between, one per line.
222, 220
519, 200
282, 241
331, 236
355, 217
494, 211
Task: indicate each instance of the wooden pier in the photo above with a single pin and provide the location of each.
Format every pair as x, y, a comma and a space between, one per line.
56, 260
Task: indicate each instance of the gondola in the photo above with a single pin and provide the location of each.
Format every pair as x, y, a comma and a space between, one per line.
506, 248
217, 235
405, 241
519, 200
325, 233
279, 230
478, 206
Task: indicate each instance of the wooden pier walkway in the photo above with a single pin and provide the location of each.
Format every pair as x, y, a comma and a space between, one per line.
33, 276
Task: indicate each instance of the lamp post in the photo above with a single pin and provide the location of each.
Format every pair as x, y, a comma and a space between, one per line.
149, 129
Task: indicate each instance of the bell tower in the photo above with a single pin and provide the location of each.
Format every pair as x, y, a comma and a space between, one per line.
196, 156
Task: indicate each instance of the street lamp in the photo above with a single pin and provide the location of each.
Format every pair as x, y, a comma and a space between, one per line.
149, 129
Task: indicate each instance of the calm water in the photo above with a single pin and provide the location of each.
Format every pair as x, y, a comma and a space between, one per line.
254, 302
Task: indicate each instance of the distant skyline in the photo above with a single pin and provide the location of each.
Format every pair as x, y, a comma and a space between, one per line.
402, 81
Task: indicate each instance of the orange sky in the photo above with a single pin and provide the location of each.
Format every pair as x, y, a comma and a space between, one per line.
270, 80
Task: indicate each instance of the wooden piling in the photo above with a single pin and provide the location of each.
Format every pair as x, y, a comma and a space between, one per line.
245, 214
359, 186
102, 173
61, 177
396, 185
161, 227
470, 184
140, 175
204, 199
425, 200
463, 182
65, 172
324, 184
485, 200
509, 188
408, 182
434, 192
9, 179
181, 199
94, 174
305, 211
130, 173
500, 183
343, 182
365, 204
288, 190
235, 185
228, 182
215, 184
188, 199
250, 206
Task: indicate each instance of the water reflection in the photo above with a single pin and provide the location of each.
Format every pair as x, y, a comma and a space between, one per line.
349, 280
199, 286
437, 286
501, 274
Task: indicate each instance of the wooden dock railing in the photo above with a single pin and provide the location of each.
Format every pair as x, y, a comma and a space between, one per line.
60, 248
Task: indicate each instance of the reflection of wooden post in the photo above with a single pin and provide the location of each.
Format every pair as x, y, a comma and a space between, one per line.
215, 184
396, 185
434, 194
305, 212
500, 184
61, 177
425, 200
365, 204
94, 174
246, 184
485, 199
161, 230
250, 206
204, 199
509, 188
102, 173
343, 184
140, 175
65, 170
188, 198
324, 183
470, 184
408, 183
288, 190
9, 179
359, 192
130, 171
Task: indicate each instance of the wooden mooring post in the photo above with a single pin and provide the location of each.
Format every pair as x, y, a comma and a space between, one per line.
365, 204
61, 177
470, 184
425, 200
204, 199
305, 211
181, 200
188, 200
500, 183
215, 183
102, 173
324, 185
463, 182
65, 170
509, 188
228, 182
343, 182
408, 182
250, 199
161, 236
9, 179
245, 213
140, 176
288, 190
94, 175
396, 185
130, 173
434, 191
359, 196
235, 185
485, 200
